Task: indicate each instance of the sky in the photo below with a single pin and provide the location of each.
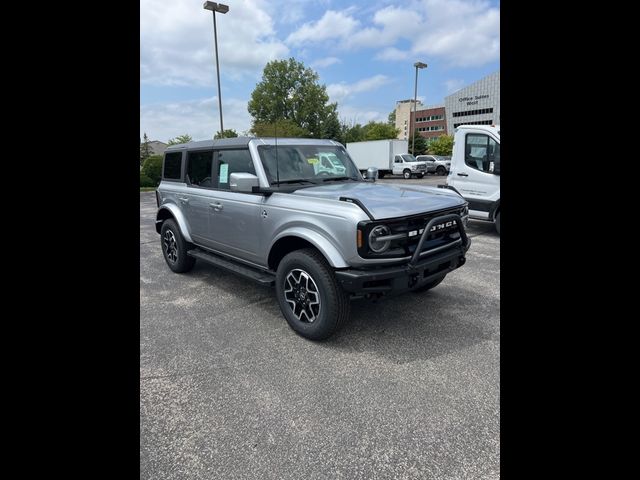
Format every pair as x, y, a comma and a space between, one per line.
362, 50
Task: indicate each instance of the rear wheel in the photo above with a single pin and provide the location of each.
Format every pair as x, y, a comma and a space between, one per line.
309, 296
441, 170
381, 174
174, 247
406, 174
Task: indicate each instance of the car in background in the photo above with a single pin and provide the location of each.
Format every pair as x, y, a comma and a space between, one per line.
437, 164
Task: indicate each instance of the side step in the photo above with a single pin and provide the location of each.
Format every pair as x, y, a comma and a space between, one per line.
263, 278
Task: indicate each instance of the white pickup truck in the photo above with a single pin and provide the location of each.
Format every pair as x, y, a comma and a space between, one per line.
475, 170
388, 156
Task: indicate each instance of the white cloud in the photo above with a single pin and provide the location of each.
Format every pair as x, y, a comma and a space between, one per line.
199, 118
461, 32
351, 115
392, 54
453, 84
464, 33
339, 91
176, 41
332, 25
325, 62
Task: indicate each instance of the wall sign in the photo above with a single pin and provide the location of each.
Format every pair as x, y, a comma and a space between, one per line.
473, 100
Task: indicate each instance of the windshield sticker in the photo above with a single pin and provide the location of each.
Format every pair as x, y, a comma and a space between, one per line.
312, 160
224, 173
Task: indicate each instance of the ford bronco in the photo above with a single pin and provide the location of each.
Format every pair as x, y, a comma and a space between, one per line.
262, 208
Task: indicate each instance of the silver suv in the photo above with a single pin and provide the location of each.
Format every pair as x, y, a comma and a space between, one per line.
436, 163
261, 208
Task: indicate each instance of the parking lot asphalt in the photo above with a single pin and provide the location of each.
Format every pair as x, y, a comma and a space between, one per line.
408, 388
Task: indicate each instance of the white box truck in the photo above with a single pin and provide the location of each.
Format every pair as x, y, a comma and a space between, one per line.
388, 156
475, 170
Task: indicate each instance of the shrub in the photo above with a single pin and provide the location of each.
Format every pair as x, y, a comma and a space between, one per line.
152, 168
146, 181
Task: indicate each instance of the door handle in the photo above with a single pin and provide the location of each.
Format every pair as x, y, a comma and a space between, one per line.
463, 174
184, 199
216, 206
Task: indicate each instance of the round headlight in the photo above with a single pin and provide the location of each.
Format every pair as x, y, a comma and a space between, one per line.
376, 245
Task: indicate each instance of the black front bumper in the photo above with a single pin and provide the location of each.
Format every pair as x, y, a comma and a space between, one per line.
419, 270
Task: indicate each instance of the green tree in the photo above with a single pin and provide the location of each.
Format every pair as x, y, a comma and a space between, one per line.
145, 181
152, 168
228, 133
420, 144
289, 91
443, 145
379, 131
186, 138
281, 128
351, 133
392, 118
145, 149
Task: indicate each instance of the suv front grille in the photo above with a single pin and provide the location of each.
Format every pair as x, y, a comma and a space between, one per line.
413, 227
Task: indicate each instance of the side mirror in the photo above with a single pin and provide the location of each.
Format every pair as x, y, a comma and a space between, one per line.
242, 182
372, 173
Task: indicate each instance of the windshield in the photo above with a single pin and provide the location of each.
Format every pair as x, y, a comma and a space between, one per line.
307, 163
409, 158
335, 161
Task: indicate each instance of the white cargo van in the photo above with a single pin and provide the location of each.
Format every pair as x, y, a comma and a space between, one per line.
475, 170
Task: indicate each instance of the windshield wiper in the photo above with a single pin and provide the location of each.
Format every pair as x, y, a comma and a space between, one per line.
333, 179
299, 180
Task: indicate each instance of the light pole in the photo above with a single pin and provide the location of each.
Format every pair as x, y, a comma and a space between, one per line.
415, 99
220, 8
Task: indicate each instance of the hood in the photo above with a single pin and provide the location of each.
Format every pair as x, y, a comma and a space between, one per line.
389, 200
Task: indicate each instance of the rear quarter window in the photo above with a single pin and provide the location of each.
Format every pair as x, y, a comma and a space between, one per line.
172, 166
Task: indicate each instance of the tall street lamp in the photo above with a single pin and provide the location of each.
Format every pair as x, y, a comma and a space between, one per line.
415, 99
220, 8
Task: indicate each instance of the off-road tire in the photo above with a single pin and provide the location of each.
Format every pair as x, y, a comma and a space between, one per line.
183, 262
334, 305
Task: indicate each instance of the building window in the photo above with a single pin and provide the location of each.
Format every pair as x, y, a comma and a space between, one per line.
429, 118
478, 122
473, 112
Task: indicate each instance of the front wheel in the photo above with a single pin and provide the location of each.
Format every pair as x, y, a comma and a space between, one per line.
441, 170
406, 174
420, 175
309, 296
174, 248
